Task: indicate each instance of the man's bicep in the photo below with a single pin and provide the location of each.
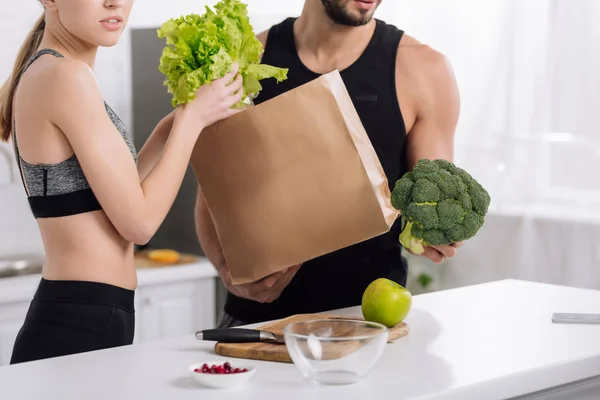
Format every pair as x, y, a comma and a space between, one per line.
432, 135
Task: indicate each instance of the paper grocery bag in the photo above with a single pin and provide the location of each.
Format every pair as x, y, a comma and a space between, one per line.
292, 179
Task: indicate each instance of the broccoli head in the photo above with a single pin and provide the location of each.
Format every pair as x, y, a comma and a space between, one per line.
439, 203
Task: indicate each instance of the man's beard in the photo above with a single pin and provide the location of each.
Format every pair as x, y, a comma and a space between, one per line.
339, 14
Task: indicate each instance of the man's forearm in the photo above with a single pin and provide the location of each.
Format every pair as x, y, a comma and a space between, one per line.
431, 144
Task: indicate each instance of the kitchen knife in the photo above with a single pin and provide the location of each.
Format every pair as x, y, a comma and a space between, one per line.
239, 335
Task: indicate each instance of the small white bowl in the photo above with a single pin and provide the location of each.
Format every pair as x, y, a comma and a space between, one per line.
222, 381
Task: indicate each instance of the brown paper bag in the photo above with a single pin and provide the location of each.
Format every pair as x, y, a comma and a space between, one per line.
292, 179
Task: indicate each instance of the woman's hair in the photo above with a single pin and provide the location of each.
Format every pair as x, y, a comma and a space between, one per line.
7, 92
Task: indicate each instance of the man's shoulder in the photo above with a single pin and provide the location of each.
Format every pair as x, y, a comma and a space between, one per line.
421, 61
412, 53
426, 77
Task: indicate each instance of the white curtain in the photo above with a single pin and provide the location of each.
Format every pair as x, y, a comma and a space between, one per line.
528, 73
529, 77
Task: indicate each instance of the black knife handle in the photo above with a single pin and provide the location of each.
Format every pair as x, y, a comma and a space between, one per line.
230, 335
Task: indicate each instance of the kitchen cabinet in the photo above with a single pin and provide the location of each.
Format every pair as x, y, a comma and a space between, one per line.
174, 309
170, 301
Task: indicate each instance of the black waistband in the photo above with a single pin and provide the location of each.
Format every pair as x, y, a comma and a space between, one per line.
64, 204
85, 292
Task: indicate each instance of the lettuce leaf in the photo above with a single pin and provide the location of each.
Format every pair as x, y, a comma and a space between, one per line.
202, 48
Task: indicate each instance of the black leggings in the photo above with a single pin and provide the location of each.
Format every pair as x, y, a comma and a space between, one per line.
69, 317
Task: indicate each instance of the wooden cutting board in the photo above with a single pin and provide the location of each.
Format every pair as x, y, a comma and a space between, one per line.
142, 260
279, 353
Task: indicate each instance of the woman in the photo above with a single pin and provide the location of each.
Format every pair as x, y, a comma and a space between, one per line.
91, 194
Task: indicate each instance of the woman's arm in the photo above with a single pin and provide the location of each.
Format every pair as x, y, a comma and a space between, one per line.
153, 147
135, 209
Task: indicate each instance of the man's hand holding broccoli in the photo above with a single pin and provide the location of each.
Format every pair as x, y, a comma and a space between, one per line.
441, 206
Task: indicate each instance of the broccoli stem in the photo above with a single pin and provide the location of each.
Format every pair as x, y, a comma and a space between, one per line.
409, 241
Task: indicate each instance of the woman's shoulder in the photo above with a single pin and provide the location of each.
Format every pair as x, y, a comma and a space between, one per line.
64, 92
62, 79
59, 88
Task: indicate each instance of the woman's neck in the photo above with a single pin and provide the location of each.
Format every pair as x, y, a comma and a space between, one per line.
58, 38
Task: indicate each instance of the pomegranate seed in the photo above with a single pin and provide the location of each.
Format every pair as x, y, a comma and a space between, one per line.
226, 368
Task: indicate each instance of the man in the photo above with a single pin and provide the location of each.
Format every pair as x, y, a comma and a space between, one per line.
407, 99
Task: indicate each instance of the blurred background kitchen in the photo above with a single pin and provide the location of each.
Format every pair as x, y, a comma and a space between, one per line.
529, 76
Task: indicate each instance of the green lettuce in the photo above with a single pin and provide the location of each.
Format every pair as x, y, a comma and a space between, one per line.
202, 48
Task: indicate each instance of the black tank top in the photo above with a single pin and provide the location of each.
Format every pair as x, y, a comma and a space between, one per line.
339, 279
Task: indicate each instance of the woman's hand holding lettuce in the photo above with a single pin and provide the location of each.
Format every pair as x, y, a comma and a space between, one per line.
202, 48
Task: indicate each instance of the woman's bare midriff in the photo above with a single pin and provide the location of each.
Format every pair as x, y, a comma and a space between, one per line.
87, 247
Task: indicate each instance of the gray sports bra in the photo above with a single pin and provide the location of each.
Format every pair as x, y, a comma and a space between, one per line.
61, 189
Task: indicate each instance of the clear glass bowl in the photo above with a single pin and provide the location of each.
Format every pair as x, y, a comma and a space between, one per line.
335, 351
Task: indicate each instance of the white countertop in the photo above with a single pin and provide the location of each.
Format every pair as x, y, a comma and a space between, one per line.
489, 341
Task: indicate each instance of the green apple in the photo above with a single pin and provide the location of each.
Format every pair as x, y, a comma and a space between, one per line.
386, 302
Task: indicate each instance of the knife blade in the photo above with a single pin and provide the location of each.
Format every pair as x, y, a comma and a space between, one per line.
239, 335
